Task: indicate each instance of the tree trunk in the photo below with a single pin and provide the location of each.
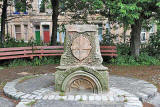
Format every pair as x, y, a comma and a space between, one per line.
55, 6
3, 21
135, 38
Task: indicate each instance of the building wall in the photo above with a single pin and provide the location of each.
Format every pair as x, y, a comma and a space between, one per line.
34, 18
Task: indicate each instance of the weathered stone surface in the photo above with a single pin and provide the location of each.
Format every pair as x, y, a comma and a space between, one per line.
81, 61
81, 47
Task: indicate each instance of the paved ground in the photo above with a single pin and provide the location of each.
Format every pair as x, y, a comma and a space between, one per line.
54, 103
36, 83
5, 103
156, 100
140, 88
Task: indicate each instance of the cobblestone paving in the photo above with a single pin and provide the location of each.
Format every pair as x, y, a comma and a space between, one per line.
140, 88
156, 101
5, 103
54, 103
36, 83
41, 89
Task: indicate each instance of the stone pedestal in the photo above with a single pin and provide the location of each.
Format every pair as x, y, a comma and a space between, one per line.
81, 68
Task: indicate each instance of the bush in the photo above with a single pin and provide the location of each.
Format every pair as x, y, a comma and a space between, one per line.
153, 47
11, 42
123, 49
143, 59
34, 62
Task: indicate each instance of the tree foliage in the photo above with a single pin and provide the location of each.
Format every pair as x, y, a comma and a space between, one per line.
135, 13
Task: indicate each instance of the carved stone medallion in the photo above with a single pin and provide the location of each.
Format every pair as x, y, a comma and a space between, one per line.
82, 84
81, 48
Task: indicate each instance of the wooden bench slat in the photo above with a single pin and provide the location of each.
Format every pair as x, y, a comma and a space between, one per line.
48, 51
109, 54
22, 52
15, 53
48, 47
108, 47
113, 51
15, 49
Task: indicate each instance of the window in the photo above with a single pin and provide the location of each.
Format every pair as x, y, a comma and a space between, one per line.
143, 36
20, 6
60, 35
18, 32
152, 30
100, 29
25, 32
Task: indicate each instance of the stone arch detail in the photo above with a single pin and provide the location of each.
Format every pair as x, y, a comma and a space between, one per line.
94, 75
81, 73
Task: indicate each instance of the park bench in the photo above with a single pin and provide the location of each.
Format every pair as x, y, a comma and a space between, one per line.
40, 51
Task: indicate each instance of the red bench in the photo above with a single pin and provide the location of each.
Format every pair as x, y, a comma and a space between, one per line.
40, 51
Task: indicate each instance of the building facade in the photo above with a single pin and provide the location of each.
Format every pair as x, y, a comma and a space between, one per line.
35, 25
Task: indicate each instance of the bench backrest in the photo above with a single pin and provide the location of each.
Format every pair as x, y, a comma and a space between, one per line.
109, 51
21, 52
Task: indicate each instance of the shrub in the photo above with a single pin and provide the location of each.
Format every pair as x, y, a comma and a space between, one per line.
123, 49
12, 42
153, 47
34, 62
143, 59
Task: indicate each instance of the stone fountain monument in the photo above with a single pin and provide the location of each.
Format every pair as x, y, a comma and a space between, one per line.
80, 72
81, 68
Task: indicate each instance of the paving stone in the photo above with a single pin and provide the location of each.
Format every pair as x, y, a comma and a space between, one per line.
98, 98
32, 97
91, 98
39, 97
64, 97
156, 100
6, 103
84, 97
104, 98
57, 97
130, 104
133, 86
77, 97
70, 97
51, 97
45, 97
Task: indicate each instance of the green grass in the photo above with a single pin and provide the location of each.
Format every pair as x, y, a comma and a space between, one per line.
80, 99
34, 62
2, 84
1, 68
31, 103
125, 100
62, 94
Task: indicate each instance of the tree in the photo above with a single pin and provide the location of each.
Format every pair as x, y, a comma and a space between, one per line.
43, 5
136, 13
55, 14
3, 21
23, 5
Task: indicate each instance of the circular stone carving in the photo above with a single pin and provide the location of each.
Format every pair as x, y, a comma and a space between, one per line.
81, 48
82, 84
72, 79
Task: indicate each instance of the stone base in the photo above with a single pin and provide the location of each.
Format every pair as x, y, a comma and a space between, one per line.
81, 79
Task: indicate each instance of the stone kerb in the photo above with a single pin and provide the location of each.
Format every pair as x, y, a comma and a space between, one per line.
113, 96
